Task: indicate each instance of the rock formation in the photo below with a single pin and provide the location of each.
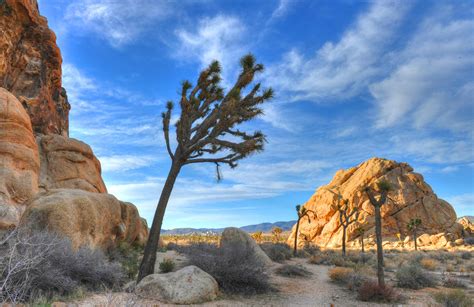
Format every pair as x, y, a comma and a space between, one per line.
68, 163
30, 66
19, 161
48, 180
237, 238
410, 198
88, 218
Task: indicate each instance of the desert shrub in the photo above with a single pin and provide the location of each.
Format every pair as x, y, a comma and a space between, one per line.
466, 255
290, 270
370, 291
361, 258
429, 264
128, 256
34, 264
453, 298
452, 282
237, 271
340, 275
278, 252
414, 277
317, 259
167, 265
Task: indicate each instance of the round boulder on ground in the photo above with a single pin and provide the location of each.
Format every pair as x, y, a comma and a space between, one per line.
238, 238
190, 285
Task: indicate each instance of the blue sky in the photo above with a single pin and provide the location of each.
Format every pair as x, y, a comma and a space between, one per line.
353, 80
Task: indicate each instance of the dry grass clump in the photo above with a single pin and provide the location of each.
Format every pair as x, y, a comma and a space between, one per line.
278, 252
290, 270
452, 282
454, 298
370, 291
414, 277
429, 264
236, 271
341, 275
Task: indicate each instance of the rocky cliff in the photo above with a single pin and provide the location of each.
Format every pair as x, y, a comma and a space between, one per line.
48, 180
410, 197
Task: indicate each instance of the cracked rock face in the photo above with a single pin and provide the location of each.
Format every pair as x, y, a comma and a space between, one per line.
19, 162
30, 66
411, 197
69, 164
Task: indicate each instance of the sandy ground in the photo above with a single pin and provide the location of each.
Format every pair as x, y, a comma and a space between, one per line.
316, 290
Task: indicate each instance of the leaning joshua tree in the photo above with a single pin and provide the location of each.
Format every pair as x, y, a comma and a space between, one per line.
302, 212
383, 187
346, 217
413, 227
207, 126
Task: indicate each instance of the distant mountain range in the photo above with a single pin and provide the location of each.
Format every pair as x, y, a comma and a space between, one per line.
265, 227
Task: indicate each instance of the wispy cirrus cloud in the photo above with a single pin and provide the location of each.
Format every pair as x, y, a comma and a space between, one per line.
432, 83
215, 38
118, 22
342, 69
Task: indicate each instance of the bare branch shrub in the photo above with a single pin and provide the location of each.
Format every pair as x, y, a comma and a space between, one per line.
34, 264
235, 270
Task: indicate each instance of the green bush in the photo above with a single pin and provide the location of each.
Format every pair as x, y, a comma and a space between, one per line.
167, 265
453, 298
128, 256
414, 277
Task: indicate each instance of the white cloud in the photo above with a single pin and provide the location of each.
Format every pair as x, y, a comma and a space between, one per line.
345, 68
120, 163
432, 83
463, 203
282, 9
217, 38
119, 22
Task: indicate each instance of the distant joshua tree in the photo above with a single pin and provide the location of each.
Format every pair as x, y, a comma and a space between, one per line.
345, 216
207, 126
302, 212
361, 232
413, 227
257, 236
383, 187
276, 232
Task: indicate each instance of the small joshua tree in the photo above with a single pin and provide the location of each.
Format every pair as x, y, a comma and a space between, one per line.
276, 232
361, 232
413, 227
347, 216
257, 236
383, 187
302, 212
206, 127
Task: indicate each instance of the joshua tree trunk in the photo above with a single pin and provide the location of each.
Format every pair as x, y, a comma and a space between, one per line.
344, 241
414, 238
378, 235
295, 247
147, 265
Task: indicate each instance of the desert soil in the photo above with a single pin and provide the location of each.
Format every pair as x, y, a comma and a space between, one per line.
316, 290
